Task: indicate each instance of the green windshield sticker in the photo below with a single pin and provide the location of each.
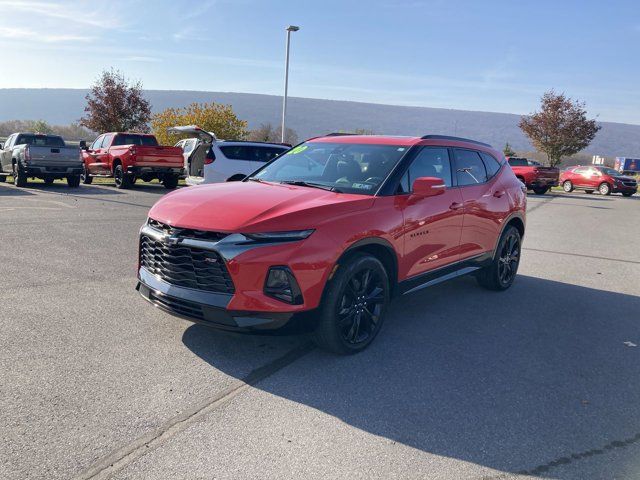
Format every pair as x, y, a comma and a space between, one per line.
299, 149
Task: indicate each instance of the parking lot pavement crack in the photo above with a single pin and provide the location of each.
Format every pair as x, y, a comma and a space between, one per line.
609, 259
567, 459
118, 459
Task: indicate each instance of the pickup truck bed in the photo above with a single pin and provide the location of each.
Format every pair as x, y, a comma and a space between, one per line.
536, 177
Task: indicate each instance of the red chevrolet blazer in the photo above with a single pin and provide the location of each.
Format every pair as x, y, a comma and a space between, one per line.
326, 234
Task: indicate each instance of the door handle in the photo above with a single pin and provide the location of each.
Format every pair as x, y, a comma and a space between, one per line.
498, 194
455, 206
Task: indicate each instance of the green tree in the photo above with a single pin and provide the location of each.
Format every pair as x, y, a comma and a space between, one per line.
212, 117
561, 127
115, 104
508, 151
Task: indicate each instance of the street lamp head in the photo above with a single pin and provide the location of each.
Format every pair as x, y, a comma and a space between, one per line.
292, 28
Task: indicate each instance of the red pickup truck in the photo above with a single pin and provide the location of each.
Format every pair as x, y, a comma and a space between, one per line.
535, 176
129, 156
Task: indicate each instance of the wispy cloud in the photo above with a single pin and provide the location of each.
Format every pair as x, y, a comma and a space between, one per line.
142, 59
27, 34
97, 14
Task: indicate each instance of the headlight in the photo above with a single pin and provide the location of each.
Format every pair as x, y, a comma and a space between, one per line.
280, 236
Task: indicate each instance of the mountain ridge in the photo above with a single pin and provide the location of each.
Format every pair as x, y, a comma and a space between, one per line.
310, 117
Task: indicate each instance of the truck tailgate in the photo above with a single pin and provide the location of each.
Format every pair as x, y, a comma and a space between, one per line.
547, 173
158, 156
54, 156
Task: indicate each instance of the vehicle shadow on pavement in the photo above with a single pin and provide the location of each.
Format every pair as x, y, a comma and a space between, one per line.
528, 380
10, 191
63, 189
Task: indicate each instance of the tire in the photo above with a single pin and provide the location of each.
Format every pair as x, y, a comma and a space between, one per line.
540, 190
352, 314
85, 177
567, 186
604, 188
504, 267
48, 181
627, 194
588, 192
122, 179
73, 181
170, 181
19, 176
3, 178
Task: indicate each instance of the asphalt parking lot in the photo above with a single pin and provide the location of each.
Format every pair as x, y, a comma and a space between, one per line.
535, 382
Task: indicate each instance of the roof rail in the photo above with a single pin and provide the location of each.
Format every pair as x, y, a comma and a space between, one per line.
340, 134
458, 139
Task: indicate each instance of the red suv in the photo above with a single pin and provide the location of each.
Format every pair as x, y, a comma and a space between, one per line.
329, 232
604, 179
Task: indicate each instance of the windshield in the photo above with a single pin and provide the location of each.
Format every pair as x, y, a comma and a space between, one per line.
343, 167
608, 171
129, 139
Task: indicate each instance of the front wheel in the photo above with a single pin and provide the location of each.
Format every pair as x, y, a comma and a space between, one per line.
3, 178
504, 266
567, 186
540, 190
604, 189
170, 181
353, 306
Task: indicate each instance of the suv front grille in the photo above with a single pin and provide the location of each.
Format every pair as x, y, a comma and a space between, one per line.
185, 266
187, 232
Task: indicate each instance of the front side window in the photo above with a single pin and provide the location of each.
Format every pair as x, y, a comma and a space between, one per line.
518, 162
97, 143
608, 171
343, 167
266, 154
469, 167
430, 162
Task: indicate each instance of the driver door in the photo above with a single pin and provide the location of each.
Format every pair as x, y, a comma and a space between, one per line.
432, 225
96, 156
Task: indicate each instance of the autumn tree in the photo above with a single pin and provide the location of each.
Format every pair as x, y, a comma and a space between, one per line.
115, 104
212, 117
561, 127
508, 151
266, 132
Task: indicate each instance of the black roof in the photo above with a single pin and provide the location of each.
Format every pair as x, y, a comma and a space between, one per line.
458, 139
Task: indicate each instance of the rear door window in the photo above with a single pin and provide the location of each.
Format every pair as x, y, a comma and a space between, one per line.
238, 152
266, 154
470, 169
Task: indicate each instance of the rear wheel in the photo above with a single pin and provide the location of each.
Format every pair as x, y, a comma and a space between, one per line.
73, 181
353, 306
170, 181
48, 181
567, 186
540, 190
85, 177
502, 271
19, 176
3, 178
123, 181
604, 189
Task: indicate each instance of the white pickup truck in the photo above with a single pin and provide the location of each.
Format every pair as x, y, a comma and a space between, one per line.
34, 155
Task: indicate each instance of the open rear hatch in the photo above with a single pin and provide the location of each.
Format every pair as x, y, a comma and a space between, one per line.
196, 161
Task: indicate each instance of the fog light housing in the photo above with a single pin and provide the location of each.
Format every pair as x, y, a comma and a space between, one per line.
282, 285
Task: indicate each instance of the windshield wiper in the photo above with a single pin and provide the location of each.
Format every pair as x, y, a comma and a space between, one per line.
302, 183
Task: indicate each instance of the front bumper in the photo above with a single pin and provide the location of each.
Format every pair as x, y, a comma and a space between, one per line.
624, 189
206, 307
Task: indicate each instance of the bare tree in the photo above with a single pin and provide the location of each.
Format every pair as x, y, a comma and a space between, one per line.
266, 132
116, 105
561, 127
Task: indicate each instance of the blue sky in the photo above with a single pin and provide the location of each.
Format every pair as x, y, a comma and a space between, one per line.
476, 55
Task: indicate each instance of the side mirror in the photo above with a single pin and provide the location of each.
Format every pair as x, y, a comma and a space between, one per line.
428, 186
83, 145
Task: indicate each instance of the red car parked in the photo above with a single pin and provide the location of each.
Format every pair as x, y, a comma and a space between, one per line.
535, 176
604, 179
129, 156
336, 227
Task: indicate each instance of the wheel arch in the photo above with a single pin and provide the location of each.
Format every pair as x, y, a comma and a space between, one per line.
115, 163
516, 220
382, 250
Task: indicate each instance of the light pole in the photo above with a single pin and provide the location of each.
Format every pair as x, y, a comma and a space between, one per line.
290, 28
